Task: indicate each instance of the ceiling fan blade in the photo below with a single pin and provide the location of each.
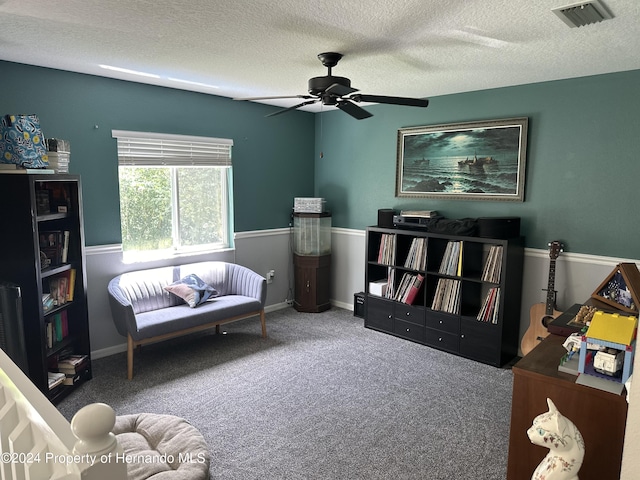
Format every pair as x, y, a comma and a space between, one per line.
411, 102
352, 109
284, 110
275, 98
340, 90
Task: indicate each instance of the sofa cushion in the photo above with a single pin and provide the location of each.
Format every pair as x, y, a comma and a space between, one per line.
172, 319
192, 290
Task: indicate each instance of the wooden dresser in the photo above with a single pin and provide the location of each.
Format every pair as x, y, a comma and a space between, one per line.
600, 416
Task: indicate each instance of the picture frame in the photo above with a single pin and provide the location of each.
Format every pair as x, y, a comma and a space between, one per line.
43, 201
482, 160
621, 288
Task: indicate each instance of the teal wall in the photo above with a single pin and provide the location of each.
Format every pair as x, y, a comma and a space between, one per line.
272, 157
582, 161
582, 172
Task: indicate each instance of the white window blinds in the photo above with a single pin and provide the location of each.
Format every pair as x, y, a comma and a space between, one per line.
154, 149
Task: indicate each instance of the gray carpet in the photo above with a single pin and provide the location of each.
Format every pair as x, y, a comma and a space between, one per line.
321, 398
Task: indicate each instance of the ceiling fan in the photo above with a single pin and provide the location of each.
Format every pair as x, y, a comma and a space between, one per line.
337, 91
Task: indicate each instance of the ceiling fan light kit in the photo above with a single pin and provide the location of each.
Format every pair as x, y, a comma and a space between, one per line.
338, 92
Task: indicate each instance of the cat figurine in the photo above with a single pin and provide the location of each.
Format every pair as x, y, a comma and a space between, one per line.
566, 446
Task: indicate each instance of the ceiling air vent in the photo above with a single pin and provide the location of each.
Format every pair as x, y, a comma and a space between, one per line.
583, 13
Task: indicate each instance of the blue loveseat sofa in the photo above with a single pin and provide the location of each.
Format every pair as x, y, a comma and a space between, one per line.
144, 311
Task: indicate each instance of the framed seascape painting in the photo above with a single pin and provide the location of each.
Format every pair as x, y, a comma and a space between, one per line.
470, 161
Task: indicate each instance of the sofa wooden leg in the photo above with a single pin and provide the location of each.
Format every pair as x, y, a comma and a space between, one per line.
129, 357
264, 324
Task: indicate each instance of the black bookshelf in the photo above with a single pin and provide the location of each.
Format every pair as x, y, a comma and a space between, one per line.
43, 253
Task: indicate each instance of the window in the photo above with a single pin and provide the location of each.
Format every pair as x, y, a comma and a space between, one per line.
175, 194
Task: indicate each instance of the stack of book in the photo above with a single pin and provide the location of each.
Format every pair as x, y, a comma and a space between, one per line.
47, 302
72, 367
55, 379
13, 168
59, 154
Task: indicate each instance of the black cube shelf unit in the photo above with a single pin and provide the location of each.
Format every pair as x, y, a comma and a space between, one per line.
469, 294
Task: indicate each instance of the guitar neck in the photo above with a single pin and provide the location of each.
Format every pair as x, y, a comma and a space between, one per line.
551, 288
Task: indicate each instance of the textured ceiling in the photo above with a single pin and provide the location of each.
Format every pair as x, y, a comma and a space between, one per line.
235, 48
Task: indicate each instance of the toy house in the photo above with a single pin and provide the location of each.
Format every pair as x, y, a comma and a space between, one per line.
614, 336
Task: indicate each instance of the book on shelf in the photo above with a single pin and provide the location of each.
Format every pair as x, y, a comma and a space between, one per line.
490, 307
57, 328
65, 246
387, 251
447, 296
55, 379
493, 265
47, 302
55, 245
71, 284
415, 282
417, 256
72, 378
18, 169
58, 288
72, 364
402, 287
390, 292
451, 263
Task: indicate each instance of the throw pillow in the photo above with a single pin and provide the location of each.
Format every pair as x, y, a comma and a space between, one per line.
192, 290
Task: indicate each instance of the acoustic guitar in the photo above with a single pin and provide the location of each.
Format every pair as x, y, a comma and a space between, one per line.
541, 314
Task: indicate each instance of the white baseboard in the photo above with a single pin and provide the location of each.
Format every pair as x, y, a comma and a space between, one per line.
107, 352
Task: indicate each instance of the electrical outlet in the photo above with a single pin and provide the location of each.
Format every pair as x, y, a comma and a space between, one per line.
270, 275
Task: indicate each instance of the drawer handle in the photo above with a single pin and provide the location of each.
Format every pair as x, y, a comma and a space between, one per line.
408, 313
408, 330
389, 316
462, 336
440, 339
440, 322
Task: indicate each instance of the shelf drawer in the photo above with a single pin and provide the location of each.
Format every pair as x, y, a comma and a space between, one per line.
480, 341
409, 313
443, 322
409, 330
442, 340
379, 314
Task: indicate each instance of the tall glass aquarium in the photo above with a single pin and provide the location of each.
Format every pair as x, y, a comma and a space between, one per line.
312, 233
